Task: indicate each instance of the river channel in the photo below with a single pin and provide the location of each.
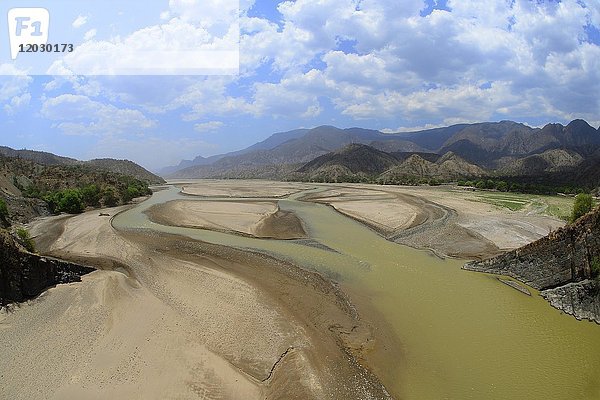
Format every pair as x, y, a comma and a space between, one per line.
463, 335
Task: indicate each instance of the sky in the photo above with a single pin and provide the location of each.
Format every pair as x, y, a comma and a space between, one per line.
392, 65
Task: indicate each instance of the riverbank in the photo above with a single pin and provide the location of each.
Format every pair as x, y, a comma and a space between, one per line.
447, 221
178, 318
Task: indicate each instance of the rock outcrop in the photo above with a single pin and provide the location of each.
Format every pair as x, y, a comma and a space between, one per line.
561, 265
24, 275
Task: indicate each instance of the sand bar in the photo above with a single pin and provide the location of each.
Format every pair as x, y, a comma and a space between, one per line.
252, 218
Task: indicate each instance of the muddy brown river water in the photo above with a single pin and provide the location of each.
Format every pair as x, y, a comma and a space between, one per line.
462, 335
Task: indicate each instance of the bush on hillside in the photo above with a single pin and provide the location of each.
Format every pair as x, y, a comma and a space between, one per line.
26, 240
583, 205
4, 213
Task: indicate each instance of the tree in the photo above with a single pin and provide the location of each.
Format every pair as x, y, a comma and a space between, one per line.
109, 197
71, 202
91, 195
3, 212
583, 205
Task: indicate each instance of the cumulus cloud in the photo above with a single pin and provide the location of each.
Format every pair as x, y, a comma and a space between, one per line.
383, 60
17, 103
79, 115
14, 89
193, 37
524, 58
208, 126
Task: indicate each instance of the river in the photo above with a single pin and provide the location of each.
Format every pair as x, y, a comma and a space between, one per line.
463, 335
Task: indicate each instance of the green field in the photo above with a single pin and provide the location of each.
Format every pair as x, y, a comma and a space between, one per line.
555, 206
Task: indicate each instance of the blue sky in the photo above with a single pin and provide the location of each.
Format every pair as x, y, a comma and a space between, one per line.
392, 65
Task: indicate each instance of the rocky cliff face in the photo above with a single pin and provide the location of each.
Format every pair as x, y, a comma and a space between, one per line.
560, 265
24, 275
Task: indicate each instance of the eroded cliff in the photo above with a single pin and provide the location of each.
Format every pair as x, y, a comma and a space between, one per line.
563, 266
24, 275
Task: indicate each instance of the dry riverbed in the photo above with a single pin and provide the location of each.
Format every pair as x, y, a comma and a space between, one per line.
173, 318
168, 317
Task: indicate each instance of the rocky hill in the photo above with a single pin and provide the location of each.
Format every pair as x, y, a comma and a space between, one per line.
24, 275
546, 163
563, 265
26, 185
357, 162
39, 157
356, 158
124, 167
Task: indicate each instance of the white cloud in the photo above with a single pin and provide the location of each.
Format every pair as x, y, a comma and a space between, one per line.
89, 35
79, 115
402, 129
80, 21
170, 47
16, 103
524, 59
208, 126
14, 89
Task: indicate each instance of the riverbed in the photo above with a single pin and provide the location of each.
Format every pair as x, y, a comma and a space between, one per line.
453, 334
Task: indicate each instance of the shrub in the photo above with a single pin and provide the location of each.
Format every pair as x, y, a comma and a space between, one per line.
26, 239
596, 268
583, 205
91, 195
3, 212
109, 198
71, 201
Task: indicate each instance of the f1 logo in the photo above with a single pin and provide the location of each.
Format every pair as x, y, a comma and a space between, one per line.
27, 26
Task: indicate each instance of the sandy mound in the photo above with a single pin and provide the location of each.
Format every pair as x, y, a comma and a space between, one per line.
241, 188
252, 218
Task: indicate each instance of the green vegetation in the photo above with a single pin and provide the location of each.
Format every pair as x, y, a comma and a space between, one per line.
4, 213
26, 240
555, 206
109, 197
596, 268
519, 187
90, 195
583, 205
514, 202
135, 189
69, 201
75, 200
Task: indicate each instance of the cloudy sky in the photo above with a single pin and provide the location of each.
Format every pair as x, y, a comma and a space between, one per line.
392, 65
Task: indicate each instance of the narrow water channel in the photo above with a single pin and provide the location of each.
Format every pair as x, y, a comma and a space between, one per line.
464, 335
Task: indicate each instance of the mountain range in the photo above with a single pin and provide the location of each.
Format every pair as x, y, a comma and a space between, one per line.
568, 153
